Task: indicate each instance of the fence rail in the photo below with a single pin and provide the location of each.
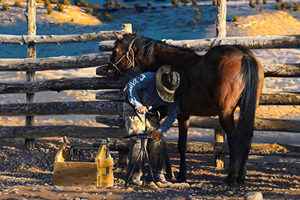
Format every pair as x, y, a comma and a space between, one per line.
62, 108
270, 70
46, 39
252, 42
54, 131
98, 59
261, 124
107, 107
117, 132
55, 63
57, 85
284, 98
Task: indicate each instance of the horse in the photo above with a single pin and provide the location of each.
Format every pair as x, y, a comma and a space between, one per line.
214, 84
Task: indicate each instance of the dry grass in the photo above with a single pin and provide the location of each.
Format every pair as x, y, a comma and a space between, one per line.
73, 15
269, 23
5, 7
18, 3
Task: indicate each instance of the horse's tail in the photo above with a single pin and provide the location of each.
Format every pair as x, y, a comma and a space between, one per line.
249, 71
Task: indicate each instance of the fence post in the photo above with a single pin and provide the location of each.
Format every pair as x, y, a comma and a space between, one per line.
219, 149
221, 19
127, 28
31, 53
219, 134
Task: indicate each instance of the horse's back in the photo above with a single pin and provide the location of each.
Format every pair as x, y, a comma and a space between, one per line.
217, 79
216, 54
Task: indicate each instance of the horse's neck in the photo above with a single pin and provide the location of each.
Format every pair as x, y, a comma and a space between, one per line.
175, 56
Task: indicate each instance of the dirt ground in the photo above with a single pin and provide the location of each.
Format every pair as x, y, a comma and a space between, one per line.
28, 175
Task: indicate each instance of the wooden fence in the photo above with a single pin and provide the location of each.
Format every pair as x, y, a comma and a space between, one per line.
109, 98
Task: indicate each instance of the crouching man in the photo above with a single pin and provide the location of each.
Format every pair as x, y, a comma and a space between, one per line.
146, 93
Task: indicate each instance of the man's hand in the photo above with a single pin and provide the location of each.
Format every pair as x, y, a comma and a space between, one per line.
156, 135
142, 109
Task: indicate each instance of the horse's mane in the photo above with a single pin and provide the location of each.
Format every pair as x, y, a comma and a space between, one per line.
164, 44
147, 41
245, 50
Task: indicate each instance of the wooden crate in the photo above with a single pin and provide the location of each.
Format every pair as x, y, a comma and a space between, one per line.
72, 173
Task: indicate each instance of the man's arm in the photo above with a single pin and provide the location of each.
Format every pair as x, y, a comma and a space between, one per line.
171, 117
136, 84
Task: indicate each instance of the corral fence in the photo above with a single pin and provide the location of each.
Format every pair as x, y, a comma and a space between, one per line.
109, 99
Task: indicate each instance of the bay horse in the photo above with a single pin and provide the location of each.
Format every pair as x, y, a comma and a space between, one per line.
213, 84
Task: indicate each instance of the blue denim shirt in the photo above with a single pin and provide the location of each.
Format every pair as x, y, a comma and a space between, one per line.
141, 91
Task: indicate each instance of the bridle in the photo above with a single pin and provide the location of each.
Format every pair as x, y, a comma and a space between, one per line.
129, 55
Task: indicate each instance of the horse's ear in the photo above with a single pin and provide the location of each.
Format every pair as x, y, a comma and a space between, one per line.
119, 36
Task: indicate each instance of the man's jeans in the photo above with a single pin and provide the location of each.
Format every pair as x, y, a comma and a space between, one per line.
135, 124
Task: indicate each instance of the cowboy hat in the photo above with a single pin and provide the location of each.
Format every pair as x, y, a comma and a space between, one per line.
167, 81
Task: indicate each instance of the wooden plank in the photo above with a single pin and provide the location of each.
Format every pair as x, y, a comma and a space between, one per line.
107, 45
257, 42
55, 63
75, 173
281, 98
282, 70
31, 53
62, 108
111, 95
66, 130
261, 124
39, 39
221, 19
253, 42
271, 70
95, 83
111, 121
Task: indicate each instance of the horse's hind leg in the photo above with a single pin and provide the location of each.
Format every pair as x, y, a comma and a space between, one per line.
245, 143
241, 143
227, 122
183, 125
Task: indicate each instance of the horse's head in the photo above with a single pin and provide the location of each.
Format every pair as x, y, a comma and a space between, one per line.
123, 53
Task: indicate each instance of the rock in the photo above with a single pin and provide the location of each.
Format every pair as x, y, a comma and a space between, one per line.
254, 196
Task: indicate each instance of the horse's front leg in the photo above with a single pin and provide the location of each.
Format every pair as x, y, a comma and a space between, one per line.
183, 125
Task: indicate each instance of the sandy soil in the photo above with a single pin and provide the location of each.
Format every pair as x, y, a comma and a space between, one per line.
268, 23
71, 15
